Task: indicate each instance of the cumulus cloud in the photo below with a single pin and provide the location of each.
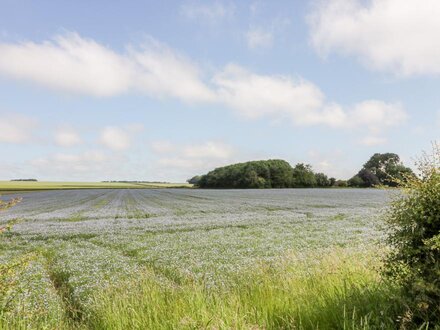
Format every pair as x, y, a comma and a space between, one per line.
257, 95
376, 115
207, 12
16, 128
163, 72
75, 64
302, 102
67, 137
258, 37
70, 63
391, 35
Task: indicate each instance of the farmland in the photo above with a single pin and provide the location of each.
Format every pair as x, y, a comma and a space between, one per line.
190, 258
10, 186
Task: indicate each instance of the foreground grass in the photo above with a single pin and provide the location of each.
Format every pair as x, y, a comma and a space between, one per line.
11, 186
338, 291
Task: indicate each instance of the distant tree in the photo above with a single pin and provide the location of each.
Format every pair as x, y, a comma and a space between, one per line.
322, 180
385, 169
356, 181
194, 180
303, 176
33, 180
332, 181
341, 183
273, 173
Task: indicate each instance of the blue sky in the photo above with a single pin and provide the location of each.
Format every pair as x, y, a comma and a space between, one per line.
165, 90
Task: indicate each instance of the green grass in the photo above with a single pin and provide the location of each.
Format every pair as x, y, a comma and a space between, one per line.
12, 186
341, 290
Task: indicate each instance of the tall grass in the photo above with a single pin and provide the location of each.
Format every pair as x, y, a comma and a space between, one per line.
338, 291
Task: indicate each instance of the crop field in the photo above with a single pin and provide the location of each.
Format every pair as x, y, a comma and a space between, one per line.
11, 186
190, 258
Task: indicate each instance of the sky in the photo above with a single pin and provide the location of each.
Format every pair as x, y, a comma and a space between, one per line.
165, 90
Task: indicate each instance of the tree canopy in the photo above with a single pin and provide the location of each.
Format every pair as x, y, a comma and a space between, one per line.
381, 169
273, 173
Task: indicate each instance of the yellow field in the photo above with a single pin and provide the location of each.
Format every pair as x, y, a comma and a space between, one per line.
32, 185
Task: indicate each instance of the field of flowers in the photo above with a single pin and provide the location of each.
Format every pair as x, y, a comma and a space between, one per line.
68, 246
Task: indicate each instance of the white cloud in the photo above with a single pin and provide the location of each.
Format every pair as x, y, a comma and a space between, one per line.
376, 115
78, 65
69, 63
67, 137
258, 37
75, 64
163, 72
207, 12
115, 138
302, 102
255, 95
16, 128
391, 35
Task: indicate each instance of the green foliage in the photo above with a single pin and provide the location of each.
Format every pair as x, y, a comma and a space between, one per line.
322, 180
303, 176
272, 173
381, 169
355, 181
414, 220
341, 183
194, 180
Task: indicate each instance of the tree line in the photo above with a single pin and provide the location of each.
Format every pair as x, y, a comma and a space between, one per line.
381, 169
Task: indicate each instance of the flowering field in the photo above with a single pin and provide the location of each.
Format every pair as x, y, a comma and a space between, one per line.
69, 245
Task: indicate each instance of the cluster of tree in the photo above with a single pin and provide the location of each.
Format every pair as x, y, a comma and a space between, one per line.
381, 169
33, 180
273, 173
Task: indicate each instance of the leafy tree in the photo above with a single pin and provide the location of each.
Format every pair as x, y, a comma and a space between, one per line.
303, 176
332, 181
194, 180
414, 263
385, 169
341, 183
273, 173
356, 181
322, 180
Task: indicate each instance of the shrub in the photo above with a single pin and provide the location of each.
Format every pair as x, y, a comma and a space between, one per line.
414, 263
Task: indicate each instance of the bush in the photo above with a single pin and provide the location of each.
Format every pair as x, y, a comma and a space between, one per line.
414, 263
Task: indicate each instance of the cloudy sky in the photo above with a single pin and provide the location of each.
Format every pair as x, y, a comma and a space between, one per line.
164, 90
